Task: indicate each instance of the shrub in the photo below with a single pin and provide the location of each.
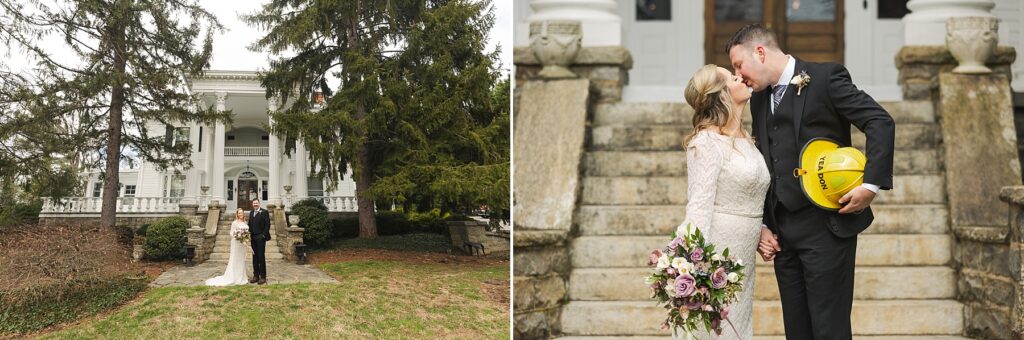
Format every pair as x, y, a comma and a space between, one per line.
20, 213
313, 217
164, 238
392, 223
428, 222
345, 228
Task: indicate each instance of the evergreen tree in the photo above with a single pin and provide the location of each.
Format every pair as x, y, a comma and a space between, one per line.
128, 66
414, 113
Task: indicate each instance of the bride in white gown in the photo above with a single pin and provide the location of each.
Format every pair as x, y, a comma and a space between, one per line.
234, 274
727, 182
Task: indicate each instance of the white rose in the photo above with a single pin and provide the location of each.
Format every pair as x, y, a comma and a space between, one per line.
733, 277
670, 289
739, 261
717, 257
663, 262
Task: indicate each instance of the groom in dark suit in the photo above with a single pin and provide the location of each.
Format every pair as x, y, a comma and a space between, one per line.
259, 232
814, 249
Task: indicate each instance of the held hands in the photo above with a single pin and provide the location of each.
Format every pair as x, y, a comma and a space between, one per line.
769, 245
856, 200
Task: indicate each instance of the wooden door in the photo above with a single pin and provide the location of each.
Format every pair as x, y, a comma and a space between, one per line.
247, 191
811, 30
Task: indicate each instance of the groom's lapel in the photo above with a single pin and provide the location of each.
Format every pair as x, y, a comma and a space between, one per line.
797, 101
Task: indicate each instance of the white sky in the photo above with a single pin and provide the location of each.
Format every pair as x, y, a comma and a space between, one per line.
230, 47
230, 52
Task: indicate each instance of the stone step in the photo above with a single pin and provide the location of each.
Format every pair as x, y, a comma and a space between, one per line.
670, 137
673, 163
872, 250
879, 317
872, 283
594, 220
880, 283
634, 190
907, 189
773, 337
869, 317
915, 111
224, 256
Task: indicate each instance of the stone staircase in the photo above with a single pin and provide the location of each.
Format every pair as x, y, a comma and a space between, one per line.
634, 195
222, 247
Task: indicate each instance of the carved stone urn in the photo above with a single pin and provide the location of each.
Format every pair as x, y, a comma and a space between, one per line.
972, 40
293, 220
555, 43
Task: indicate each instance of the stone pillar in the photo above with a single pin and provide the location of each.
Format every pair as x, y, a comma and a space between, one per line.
192, 174
926, 23
601, 23
300, 186
274, 181
218, 185
980, 155
607, 68
920, 67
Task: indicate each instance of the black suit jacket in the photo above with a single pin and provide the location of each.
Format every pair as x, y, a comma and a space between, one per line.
259, 225
826, 107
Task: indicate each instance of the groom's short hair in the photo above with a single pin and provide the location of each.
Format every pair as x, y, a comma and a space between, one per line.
753, 34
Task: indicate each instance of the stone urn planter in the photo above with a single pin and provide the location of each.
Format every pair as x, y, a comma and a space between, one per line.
555, 43
972, 40
138, 251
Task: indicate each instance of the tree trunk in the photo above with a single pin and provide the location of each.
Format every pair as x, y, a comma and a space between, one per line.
108, 213
364, 180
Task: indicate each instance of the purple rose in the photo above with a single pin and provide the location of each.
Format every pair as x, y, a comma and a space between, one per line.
716, 324
654, 257
694, 304
671, 271
675, 244
697, 254
685, 285
719, 279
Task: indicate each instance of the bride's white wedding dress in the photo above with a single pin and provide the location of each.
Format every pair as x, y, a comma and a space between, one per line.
234, 274
727, 182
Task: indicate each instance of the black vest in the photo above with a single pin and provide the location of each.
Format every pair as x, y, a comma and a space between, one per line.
784, 152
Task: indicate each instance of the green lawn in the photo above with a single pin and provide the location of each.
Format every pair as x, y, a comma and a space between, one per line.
375, 299
434, 243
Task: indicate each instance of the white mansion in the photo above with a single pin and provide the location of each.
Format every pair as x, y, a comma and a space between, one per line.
231, 164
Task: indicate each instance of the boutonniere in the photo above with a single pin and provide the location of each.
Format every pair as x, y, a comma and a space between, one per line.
800, 81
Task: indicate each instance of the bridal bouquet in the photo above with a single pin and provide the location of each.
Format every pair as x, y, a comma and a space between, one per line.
241, 234
694, 283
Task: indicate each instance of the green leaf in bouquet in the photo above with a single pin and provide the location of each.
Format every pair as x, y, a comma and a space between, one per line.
725, 253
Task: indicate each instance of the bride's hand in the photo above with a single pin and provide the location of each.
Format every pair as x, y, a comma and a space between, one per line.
768, 246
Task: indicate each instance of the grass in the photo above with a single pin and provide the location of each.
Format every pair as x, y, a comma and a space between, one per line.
374, 299
434, 243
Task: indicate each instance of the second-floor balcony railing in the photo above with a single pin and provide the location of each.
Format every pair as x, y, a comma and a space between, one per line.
246, 151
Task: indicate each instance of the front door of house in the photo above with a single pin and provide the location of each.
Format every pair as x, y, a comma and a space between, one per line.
811, 30
248, 190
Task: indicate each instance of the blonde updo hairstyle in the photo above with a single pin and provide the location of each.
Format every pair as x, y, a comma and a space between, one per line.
708, 94
240, 211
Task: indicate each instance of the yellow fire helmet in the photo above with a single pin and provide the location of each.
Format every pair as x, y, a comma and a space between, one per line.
827, 171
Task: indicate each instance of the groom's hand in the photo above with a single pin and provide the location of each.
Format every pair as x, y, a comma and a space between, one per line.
856, 200
768, 246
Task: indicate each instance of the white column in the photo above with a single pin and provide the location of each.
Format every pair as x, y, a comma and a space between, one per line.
926, 23
300, 187
274, 182
218, 185
192, 174
600, 18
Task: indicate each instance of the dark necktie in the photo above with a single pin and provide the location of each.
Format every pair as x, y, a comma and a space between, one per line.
777, 93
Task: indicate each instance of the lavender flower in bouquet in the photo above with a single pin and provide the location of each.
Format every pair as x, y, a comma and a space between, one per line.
694, 283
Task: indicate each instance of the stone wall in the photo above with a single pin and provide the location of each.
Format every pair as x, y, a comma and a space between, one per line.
990, 262
122, 220
551, 118
920, 66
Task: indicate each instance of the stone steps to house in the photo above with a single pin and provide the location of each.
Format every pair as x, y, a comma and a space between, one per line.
872, 250
869, 317
673, 163
599, 220
872, 283
907, 189
775, 337
682, 114
670, 137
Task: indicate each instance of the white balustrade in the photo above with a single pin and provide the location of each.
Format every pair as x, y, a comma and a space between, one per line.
87, 205
246, 151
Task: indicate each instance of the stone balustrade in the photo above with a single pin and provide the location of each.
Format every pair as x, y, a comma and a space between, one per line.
93, 205
246, 151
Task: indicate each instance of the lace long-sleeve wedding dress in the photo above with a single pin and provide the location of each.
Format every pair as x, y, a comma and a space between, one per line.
727, 182
234, 274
